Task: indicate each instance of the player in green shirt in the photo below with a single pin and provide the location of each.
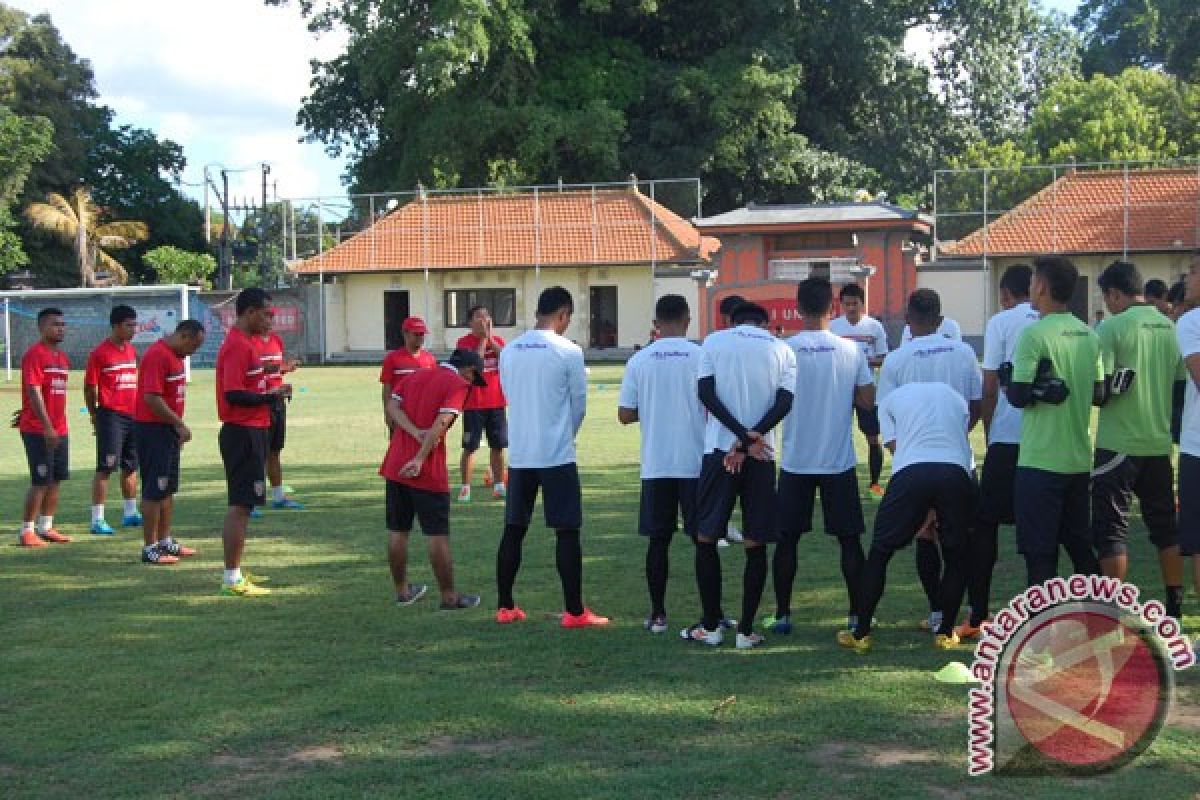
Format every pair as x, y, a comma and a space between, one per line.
1133, 440
1055, 377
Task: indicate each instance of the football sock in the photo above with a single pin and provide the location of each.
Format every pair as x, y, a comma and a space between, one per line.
130, 506
708, 582
929, 570
508, 562
657, 569
568, 557
1175, 602
45, 523
984, 549
874, 578
98, 513
783, 573
277, 494
875, 460
852, 565
754, 578
232, 576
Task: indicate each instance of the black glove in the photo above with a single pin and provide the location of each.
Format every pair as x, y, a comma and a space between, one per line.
1047, 388
1004, 374
1122, 380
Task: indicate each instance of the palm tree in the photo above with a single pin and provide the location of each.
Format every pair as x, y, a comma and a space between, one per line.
76, 222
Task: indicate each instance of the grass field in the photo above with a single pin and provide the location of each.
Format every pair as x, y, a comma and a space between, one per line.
121, 680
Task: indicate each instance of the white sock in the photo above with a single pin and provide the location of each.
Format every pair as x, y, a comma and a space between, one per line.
130, 506
167, 540
45, 523
499, 487
233, 576
27, 527
98, 513
277, 494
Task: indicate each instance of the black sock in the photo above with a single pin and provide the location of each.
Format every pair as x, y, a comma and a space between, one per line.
783, 573
1040, 568
875, 460
508, 562
852, 564
953, 586
929, 570
754, 578
708, 582
870, 589
568, 557
657, 568
983, 551
1175, 595
1083, 558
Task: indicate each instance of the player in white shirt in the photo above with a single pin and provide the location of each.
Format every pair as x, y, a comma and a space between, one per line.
658, 391
746, 382
925, 425
868, 333
545, 380
1002, 423
945, 327
929, 356
833, 377
1187, 330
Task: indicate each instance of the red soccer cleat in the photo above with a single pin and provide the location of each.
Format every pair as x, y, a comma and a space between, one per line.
506, 616
30, 539
51, 535
585, 620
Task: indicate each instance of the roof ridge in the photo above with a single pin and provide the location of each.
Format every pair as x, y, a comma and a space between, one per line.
660, 211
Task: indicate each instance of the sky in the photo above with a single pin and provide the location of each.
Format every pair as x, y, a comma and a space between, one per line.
223, 78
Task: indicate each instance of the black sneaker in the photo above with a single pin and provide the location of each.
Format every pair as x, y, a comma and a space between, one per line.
415, 592
460, 601
155, 555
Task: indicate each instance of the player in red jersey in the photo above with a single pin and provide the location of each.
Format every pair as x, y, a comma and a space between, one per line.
276, 366
485, 406
43, 426
401, 363
161, 434
110, 392
422, 409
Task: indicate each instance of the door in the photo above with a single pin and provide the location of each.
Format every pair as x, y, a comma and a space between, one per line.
1079, 300
604, 316
395, 311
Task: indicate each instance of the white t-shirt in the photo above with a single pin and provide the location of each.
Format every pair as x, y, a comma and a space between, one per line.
1187, 331
949, 328
660, 384
545, 381
817, 437
933, 358
750, 367
868, 334
999, 342
928, 423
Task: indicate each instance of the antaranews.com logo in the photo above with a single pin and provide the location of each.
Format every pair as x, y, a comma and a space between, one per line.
1077, 677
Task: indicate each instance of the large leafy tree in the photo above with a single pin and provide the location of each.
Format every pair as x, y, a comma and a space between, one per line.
24, 141
1142, 33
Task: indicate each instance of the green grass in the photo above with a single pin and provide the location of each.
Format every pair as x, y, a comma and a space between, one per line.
125, 681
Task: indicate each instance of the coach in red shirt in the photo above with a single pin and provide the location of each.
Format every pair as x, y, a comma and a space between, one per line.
401, 363
160, 435
244, 406
43, 426
485, 406
421, 410
276, 366
110, 391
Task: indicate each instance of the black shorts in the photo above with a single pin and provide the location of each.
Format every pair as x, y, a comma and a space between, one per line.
431, 509
158, 454
493, 421
996, 485
720, 491
562, 500
841, 505
244, 453
46, 466
664, 501
278, 427
1189, 505
1052, 510
1116, 478
868, 420
114, 442
948, 489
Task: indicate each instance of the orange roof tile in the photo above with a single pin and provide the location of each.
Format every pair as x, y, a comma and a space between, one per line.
1085, 212
558, 228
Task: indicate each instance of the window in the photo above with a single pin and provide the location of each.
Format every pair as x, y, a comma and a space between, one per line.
501, 302
814, 241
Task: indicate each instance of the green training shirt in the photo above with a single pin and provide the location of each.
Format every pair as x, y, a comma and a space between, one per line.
1056, 437
1138, 422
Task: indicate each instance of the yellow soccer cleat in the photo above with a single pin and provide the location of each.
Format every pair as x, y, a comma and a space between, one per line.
861, 646
243, 588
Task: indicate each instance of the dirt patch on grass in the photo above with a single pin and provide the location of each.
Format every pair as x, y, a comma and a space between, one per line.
837, 754
899, 756
449, 746
833, 751
1187, 718
241, 772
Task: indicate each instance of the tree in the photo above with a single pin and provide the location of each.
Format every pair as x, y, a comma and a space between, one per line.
77, 221
172, 265
1141, 33
23, 142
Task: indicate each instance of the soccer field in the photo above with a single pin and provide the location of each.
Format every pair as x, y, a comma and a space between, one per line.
121, 680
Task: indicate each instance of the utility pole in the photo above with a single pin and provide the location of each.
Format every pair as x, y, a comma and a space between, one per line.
207, 210
226, 266
264, 263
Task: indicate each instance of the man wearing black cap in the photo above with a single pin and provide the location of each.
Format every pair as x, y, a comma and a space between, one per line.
421, 410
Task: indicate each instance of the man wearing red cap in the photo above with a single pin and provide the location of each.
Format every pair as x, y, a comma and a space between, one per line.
401, 363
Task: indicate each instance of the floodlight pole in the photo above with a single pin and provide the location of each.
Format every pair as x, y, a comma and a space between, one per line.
7, 344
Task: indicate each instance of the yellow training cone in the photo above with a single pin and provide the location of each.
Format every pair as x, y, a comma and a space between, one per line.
955, 672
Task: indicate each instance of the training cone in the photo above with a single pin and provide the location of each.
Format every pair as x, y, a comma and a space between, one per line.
955, 672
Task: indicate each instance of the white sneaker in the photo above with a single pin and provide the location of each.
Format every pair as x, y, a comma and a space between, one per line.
698, 633
745, 642
464, 494
933, 622
722, 542
734, 535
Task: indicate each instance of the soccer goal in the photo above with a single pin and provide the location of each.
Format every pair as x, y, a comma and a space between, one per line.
159, 309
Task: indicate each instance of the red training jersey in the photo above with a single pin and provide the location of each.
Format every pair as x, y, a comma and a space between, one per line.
45, 367
114, 371
423, 396
399, 364
239, 368
491, 396
162, 373
271, 349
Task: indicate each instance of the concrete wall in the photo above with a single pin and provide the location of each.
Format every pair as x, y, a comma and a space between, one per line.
964, 295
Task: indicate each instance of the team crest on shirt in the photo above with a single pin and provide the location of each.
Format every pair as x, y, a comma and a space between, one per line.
259, 488
110, 460
162, 483
43, 470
